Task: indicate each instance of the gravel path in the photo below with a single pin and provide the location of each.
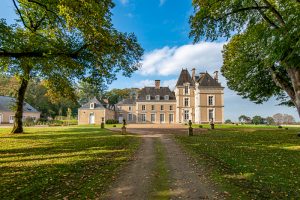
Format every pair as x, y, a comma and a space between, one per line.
187, 181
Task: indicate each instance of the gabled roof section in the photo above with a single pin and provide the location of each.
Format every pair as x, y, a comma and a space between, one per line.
152, 91
185, 77
94, 100
6, 104
205, 80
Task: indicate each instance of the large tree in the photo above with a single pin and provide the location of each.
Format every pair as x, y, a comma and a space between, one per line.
262, 59
61, 42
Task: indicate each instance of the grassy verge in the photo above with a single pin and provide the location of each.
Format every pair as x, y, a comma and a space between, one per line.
242, 126
160, 183
61, 162
250, 163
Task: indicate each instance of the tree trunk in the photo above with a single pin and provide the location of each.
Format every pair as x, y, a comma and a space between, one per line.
18, 124
294, 74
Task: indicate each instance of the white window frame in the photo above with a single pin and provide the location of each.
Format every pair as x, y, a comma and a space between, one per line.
186, 113
148, 97
188, 100
167, 97
152, 107
153, 119
11, 118
214, 114
128, 118
164, 119
143, 117
188, 89
143, 107
172, 117
213, 100
157, 97
1, 117
92, 105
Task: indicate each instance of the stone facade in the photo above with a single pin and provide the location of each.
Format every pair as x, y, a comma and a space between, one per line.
196, 98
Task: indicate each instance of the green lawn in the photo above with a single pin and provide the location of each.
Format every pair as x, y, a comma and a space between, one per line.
57, 162
250, 162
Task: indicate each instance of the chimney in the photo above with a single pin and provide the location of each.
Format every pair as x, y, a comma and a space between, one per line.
157, 84
216, 75
193, 74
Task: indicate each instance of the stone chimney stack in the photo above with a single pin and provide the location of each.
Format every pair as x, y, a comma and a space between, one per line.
157, 84
193, 74
216, 76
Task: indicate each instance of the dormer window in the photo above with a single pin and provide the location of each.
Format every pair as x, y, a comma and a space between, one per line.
148, 97
157, 97
92, 105
166, 97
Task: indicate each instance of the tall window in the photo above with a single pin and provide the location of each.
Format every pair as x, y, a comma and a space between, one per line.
130, 108
211, 100
152, 107
171, 118
157, 97
186, 101
129, 117
148, 97
186, 115
211, 114
143, 117
162, 118
186, 89
152, 117
171, 107
161, 107
143, 107
92, 105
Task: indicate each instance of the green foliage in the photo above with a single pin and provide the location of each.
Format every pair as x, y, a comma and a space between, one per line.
257, 120
270, 121
262, 58
112, 121
245, 119
116, 95
250, 163
228, 121
61, 162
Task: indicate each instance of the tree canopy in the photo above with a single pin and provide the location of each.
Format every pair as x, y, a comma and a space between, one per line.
262, 58
63, 41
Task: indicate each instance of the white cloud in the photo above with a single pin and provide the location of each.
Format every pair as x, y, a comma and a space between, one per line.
205, 56
162, 2
166, 83
124, 2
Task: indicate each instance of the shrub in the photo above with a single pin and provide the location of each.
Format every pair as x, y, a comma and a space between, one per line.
28, 121
279, 126
114, 125
112, 121
200, 126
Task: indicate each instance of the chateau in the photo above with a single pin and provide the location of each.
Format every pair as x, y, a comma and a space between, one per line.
198, 98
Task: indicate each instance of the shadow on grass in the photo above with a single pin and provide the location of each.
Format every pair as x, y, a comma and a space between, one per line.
53, 163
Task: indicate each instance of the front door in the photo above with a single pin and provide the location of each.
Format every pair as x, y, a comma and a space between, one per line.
11, 119
92, 118
1, 117
120, 120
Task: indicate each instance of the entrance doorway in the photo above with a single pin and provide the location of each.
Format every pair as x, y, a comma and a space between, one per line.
92, 118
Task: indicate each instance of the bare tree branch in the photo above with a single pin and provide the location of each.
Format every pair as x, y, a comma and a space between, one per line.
276, 13
20, 14
266, 17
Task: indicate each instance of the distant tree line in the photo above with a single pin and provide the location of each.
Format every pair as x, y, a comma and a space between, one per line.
275, 119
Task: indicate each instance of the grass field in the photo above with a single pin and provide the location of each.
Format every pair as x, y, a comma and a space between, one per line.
250, 163
58, 162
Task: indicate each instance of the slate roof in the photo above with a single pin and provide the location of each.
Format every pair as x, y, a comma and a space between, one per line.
152, 91
6, 104
126, 102
185, 77
205, 80
98, 105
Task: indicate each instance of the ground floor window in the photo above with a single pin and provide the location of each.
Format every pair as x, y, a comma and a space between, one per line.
143, 117
152, 117
211, 114
171, 118
186, 115
129, 117
162, 118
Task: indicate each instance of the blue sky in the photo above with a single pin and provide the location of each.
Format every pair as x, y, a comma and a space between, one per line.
162, 29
